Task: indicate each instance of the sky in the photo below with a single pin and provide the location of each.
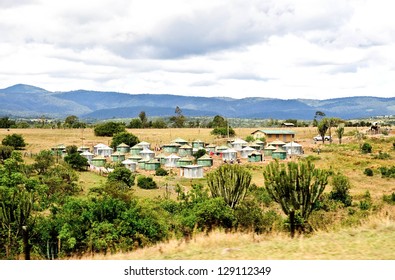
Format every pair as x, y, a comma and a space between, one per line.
315, 49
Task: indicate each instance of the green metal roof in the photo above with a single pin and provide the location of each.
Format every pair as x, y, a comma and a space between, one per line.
277, 131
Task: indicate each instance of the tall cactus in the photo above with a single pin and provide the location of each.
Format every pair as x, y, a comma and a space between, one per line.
296, 187
230, 182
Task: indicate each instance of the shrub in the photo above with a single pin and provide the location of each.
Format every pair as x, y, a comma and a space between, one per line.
387, 172
109, 129
146, 183
122, 175
389, 198
124, 137
14, 140
366, 148
366, 203
382, 155
340, 191
161, 172
368, 172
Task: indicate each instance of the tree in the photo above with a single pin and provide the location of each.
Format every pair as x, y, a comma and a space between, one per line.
5, 152
5, 122
70, 121
159, 123
331, 122
109, 129
218, 121
340, 132
124, 137
230, 182
296, 187
223, 131
123, 175
135, 123
43, 161
74, 159
322, 128
14, 140
179, 119
143, 118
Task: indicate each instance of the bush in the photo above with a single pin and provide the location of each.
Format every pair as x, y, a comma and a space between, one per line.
161, 172
366, 203
340, 191
109, 129
382, 155
389, 198
122, 175
124, 137
368, 172
387, 172
14, 140
146, 183
366, 148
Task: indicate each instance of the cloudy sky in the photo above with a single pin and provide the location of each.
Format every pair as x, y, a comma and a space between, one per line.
236, 48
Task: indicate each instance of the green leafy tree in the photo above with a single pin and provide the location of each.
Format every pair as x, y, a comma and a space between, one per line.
223, 131
124, 137
123, 175
5, 122
341, 189
179, 119
322, 128
14, 140
230, 182
159, 123
340, 132
143, 118
218, 121
5, 152
43, 161
296, 187
135, 123
70, 121
147, 183
109, 129
74, 159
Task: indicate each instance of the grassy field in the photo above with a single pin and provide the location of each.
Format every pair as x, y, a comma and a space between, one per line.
372, 241
374, 238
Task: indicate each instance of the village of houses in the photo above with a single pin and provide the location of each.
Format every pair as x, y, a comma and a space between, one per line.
178, 154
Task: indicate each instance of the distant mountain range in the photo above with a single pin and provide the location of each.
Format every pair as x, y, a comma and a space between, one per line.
29, 101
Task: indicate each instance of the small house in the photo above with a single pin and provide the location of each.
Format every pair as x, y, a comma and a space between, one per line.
88, 155
229, 155
269, 150
131, 165
259, 143
238, 144
211, 148
117, 157
293, 148
147, 154
171, 148
171, 161
83, 149
161, 157
185, 150
135, 150
185, 161
198, 144
59, 150
123, 148
152, 164
99, 161
277, 143
141, 163
279, 153
102, 150
255, 156
205, 161
222, 148
144, 145
135, 158
180, 141
246, 151
191, 171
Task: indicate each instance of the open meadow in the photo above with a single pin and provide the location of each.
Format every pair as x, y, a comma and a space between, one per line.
355, 233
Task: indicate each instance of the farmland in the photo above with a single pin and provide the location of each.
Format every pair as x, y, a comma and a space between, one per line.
351, 233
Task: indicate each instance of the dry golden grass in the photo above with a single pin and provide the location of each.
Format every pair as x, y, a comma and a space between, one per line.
372, 241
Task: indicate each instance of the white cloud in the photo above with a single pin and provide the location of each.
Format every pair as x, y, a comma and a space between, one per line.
275, 48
